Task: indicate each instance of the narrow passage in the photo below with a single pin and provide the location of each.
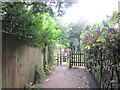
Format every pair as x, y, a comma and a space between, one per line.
62, 77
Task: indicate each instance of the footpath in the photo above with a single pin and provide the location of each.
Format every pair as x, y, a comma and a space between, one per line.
63, 77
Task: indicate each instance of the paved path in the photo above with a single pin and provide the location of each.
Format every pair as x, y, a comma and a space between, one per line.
62, 77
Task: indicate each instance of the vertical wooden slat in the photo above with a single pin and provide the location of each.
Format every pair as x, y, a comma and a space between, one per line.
69, 59
75, 58
19, 63
57, 59
81, 58
60, 57
72, 58
78, 58
85, 61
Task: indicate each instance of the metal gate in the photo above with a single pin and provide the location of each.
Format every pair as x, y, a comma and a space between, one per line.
76, 58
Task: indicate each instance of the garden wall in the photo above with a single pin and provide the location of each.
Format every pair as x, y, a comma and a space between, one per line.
18, 62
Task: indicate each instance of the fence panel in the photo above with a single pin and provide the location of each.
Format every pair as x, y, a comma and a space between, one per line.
76, 58
18, 62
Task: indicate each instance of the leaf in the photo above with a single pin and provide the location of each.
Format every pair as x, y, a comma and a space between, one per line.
105, 32
88, 47
90, 60
88, 69
92, 34
101, 38
112, 81
97, 67
93, 45
81, 36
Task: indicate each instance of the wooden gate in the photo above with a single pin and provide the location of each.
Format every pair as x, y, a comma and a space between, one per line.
76, 58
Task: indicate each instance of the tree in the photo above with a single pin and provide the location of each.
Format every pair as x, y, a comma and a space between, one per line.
34, 22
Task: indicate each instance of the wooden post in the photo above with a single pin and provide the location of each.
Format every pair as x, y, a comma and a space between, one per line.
74, 57
84, 59
60, 57
70, 59
57, 59
79, 58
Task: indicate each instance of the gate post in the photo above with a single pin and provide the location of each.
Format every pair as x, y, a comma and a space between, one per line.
70, 59
57, 59
60, 57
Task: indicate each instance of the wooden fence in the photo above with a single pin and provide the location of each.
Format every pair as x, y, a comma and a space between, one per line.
76, 58
18, 62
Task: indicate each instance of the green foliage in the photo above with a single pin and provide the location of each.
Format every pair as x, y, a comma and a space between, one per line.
101, 43
64, 28
67, 63
31, 22
97, 67
30, 86
62, 46
88, 47
88, 69
100, 34
45, 32
91, 60
40, 71
101, 38
112, 81
69, 32
47, 68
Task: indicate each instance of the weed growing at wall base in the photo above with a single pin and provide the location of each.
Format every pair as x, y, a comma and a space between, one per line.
30, 86
67, 63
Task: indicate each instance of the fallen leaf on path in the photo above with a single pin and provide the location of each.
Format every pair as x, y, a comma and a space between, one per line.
47, 80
